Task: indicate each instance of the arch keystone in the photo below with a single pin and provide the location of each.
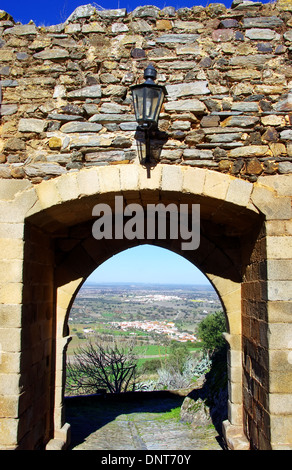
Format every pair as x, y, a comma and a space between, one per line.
149, 180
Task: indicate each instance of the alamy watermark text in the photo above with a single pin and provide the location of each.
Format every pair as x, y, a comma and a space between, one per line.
159, 221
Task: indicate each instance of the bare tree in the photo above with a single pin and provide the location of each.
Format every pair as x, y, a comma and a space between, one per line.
96, 366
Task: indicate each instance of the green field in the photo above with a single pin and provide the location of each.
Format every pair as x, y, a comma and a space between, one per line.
145, 348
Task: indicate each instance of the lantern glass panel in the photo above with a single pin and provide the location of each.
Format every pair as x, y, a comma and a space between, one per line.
147, 102
138, 95
152, 99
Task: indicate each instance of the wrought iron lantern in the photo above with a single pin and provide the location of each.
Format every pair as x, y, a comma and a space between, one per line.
147, 100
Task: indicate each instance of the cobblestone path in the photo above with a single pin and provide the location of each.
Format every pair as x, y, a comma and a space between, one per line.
142, 424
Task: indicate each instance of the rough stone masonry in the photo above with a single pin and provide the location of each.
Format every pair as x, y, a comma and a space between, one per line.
66, 103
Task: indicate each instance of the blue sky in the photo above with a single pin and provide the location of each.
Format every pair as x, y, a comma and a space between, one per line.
150, 264
57, 11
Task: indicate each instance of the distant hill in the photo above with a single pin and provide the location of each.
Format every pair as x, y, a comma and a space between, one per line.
108, 302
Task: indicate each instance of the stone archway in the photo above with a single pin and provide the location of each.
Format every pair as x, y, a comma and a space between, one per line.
56, 252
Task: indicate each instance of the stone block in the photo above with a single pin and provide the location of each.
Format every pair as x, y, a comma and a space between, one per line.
234, 358
8, 431
93, 27
12, 270
187, 89
273, 120
234, 323
22, 30
273, 207
193, 180
262, 34
281, 429
192, 50
71, 127
56, 444
279, 337
10, 339
11, 248
280, 290
163, 25
285, 167
192, 105
280, 183
285, 5
67, 187
193, 154
177, 38
11, 293
8, 189
43, 170
172, 178
114, 13
239, 192
216, 185
10, 316
279, 269
93, 91
279, 247
150, 180
52, 54
279, 227
83, 11
243, 74
88, 181
234, 393
171, 154
109, 178
234, 341
32, 125
9, 406
129, 177
280, 382
9, 385
250, 151
280, 312
222, 35
235, 374
48, 194
235, 437
7, 56
280, 360
235, 413
11, 362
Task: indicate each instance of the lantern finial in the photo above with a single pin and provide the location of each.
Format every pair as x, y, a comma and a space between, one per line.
150, 74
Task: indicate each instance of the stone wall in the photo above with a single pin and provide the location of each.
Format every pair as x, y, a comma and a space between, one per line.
66, 103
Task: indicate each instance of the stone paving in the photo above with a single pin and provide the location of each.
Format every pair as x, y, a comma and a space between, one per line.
136, 425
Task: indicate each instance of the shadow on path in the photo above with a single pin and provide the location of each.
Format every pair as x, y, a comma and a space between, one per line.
87, 414
135, 421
